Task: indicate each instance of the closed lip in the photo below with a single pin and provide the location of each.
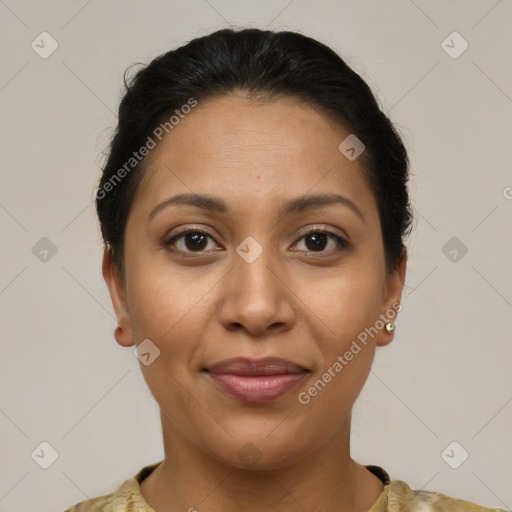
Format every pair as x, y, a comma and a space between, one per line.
256, 380
256, 367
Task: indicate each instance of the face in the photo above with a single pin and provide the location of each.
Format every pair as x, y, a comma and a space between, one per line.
259, 275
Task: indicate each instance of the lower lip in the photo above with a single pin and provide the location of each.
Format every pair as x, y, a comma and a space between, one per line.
261, 388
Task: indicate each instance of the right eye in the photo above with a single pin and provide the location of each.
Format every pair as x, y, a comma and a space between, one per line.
189, 241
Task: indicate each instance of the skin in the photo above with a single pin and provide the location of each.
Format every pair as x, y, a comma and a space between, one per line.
293, 301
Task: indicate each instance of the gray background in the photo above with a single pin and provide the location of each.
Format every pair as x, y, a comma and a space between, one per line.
446, 377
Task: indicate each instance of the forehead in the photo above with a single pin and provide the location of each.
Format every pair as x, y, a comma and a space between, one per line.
247, 150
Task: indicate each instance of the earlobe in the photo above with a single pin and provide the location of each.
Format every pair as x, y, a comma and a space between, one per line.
394, 286
122, 337
123, 332
387, 335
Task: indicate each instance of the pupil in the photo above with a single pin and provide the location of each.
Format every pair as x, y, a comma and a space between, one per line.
318, 240
198, 241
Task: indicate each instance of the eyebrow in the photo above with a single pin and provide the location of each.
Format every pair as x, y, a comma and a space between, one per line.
298, 205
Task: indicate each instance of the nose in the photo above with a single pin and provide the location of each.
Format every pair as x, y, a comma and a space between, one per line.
255, 297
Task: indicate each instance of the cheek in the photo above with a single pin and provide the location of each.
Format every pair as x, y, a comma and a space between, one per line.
168, 309
331, 393
165, 301
342, 304
341, 309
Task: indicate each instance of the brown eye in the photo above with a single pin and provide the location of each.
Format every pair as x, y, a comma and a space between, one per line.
192, 240
318, 240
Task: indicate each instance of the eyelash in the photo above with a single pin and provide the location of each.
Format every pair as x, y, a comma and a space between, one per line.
342, 243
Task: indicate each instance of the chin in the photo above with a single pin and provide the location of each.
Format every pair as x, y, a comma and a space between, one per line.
262, 451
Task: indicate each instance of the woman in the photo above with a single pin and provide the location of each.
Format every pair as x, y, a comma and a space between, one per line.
254, 209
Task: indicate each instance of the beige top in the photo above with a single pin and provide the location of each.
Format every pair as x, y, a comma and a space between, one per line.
396, 496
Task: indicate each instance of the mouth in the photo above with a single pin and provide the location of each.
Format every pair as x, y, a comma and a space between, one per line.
262, 380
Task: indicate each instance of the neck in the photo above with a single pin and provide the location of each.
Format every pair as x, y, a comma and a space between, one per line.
327, 480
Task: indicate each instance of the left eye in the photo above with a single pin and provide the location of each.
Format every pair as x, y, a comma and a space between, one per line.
317, 241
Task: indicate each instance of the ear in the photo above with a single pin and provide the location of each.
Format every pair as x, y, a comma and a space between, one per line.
392, 296
123, 333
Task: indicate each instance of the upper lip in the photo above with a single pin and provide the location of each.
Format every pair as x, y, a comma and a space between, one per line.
254, 367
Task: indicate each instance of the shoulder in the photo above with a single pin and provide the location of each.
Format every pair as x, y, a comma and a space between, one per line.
123, 499
126, 498
401, 497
